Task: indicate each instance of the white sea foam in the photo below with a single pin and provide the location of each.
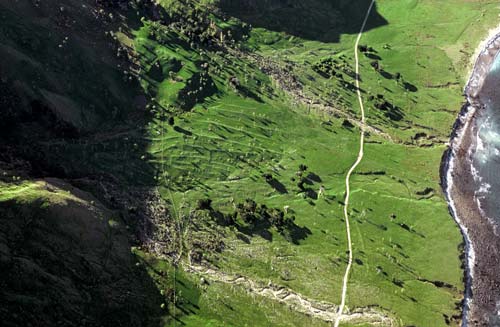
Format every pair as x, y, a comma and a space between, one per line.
484, 188
469, 250
475, 173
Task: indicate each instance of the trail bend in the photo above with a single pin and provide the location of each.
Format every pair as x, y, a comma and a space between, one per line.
351, 170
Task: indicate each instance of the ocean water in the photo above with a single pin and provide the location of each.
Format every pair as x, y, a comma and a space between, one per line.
485, 153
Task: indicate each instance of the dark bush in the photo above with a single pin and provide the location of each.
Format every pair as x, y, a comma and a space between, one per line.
204, 204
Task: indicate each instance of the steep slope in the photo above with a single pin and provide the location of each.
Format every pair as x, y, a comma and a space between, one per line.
66, 260
219, 136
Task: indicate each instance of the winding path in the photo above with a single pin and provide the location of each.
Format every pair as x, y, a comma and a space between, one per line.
349, 173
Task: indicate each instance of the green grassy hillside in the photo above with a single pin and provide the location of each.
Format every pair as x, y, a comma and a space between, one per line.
243, 120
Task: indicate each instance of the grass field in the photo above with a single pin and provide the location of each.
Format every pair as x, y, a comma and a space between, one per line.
385, 250
406, 246
219, 125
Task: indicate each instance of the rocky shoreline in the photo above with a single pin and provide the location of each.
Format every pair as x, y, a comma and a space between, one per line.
482, 246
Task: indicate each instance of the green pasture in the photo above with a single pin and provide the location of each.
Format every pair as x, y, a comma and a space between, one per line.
217, 125
407, 247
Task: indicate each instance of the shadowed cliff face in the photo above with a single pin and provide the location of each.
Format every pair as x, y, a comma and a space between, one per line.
67, 262
66, 99
68, 110
59, 59
321, 20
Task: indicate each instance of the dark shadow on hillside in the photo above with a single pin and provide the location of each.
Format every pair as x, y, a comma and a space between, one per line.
310, 193
373, 56
259, 228
410, 229
182, 131
244, 91
278, 186
67, 111
182, 293
296, 234
291, 232
259, 220
314, 177
79, 118
321, 20
65, 263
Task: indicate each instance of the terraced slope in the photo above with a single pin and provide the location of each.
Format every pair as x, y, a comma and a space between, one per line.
221, 139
